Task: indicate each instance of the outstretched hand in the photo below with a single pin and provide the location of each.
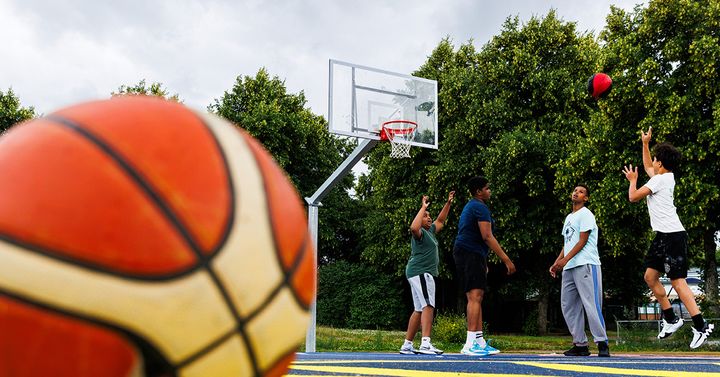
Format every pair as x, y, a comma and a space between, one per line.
646, 136
451, 196
630, 173
425, 201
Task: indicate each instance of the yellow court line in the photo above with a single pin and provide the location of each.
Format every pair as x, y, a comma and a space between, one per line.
356, 361
623, 371
471, 359
397, 372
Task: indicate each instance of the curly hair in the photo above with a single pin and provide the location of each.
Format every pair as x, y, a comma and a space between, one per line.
668, 155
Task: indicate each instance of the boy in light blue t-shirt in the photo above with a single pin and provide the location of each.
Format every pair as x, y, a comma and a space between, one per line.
581, 292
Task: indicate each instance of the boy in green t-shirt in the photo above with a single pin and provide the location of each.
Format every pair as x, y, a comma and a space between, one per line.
420, 272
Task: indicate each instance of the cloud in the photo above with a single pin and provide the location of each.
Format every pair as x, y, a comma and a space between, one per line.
59, 53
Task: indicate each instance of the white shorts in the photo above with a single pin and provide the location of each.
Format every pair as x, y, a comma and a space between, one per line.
423, 291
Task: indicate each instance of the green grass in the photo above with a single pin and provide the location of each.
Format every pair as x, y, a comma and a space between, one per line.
345, 340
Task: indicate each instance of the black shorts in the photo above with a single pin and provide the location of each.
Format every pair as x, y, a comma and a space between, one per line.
471, 269
668, 254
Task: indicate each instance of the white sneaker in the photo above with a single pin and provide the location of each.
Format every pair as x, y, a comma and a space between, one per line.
669, 328
429, 349
700, 336
475, 350
408, 349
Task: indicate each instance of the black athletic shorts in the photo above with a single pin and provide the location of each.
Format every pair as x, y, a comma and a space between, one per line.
471, 269
668, 254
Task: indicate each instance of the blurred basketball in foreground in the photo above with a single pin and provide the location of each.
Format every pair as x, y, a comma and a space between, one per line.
138, 237
599, 85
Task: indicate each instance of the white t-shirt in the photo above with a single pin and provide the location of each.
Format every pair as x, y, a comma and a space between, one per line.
577, 222
663, 216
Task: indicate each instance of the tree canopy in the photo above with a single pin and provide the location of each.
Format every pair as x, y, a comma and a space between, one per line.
301, 144
11, 112
141, 88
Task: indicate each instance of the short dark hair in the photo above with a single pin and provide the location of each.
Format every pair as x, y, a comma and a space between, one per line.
476, 183
668, 155
587, 190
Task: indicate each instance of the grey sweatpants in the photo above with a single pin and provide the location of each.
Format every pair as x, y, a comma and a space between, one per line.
581, 295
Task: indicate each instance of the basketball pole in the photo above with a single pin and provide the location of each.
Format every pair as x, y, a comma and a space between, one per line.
313, 208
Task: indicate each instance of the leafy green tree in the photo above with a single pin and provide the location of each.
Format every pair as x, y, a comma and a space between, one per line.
301, 144
11, 112
511, 111
141, 88
665, 64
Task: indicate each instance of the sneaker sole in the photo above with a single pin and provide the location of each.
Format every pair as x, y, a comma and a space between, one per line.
407, 353
474, 353
430, 353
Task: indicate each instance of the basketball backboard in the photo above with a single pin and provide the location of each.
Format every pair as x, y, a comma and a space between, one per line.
361, 99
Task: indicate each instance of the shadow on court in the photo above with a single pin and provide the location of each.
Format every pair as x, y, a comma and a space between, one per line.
385, 364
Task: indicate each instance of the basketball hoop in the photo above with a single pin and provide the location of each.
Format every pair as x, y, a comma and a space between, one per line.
400, 133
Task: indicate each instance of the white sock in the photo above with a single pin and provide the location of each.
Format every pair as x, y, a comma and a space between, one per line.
479, 339
425, 341
470, 339
408, 342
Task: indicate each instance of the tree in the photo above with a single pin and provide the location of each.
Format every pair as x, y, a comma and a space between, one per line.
300, 143
11, 112
665, 63
512, 112
141, 88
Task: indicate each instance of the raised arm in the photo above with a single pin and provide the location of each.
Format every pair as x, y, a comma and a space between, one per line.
634, 194
647, 160
494, 245
417, 221
440, 221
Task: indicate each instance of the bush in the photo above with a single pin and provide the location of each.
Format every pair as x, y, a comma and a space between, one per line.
357, 296
450, 328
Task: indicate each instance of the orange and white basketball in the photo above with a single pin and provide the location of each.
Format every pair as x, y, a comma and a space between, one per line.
139, 237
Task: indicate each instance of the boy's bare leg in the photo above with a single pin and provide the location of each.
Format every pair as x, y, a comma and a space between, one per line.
652, 278
686, 295
427, 320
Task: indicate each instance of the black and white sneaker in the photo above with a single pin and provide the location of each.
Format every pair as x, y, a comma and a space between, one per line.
429, 349
699, 337
408, 349
668, 328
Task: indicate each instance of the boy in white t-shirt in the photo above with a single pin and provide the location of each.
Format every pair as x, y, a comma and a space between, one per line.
668, 251
581, 292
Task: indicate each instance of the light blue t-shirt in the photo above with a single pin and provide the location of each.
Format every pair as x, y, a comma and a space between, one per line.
581, 221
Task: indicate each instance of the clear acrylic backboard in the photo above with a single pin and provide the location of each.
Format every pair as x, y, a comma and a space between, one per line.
361, 99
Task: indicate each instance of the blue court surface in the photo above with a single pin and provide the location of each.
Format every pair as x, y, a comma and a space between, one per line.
503, 365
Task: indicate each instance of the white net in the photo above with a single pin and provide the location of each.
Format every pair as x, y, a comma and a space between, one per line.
399, 133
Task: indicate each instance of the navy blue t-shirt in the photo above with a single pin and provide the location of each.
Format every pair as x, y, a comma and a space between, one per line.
469, 236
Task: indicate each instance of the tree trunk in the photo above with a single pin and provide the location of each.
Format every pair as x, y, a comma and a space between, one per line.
711, 275
543, 299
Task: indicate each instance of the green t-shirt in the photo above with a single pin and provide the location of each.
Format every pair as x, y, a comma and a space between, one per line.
424, 255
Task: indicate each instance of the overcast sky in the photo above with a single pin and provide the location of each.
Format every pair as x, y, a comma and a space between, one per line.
56, 53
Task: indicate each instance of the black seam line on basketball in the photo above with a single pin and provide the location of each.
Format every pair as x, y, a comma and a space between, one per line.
133, 337
203, 261
284, 283
137, 178
62, 257
230, 187
239, 321
209, 348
